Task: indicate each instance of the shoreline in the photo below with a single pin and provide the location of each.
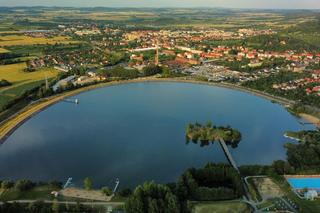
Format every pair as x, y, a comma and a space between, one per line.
311, 118
9, 125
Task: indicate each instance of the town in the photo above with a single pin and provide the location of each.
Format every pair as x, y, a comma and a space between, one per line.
181, 51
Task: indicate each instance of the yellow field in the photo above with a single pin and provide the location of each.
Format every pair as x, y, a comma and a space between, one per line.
12, 40
21, 81
3, 50
76, 14
14, 73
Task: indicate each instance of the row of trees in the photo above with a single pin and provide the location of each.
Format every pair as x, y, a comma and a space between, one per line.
213, 182
152, 198
305, 155
25, 185
42, 207
123, 73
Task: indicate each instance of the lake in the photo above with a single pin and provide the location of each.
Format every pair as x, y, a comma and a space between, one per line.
136, 132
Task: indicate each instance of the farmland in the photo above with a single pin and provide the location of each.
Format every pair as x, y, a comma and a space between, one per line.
2, 50
13, 40
21, 81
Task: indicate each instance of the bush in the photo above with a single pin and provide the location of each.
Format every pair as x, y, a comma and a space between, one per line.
106, 190
151, 70
4, 83
24, 185
125, 192
6, 184
152, 198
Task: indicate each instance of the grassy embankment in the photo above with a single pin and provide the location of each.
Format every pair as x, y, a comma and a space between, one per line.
221, 207
254, 192
38, 192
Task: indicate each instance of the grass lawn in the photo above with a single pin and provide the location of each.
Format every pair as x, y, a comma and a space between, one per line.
39, 192
12, 40
265, 204
221, 207
21, 81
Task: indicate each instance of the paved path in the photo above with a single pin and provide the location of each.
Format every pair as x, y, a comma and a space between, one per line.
68, 202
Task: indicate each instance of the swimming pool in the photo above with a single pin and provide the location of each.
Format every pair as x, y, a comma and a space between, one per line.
305, 182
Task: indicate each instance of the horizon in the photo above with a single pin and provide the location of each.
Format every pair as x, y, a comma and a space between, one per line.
225, 4
128, 7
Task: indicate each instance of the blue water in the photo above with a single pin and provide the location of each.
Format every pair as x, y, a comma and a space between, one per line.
300, 183
136, 132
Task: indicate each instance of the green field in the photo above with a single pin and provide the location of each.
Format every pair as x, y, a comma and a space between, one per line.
21, 81
39, 192
221, 207
13, 40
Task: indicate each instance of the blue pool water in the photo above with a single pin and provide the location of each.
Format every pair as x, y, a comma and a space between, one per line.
300, 183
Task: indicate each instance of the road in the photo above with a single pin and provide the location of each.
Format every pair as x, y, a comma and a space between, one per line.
69, 202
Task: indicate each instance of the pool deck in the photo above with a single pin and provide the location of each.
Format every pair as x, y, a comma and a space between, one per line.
301, 176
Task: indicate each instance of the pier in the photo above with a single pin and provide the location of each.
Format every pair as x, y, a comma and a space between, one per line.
73, 101
228, 154
234, 165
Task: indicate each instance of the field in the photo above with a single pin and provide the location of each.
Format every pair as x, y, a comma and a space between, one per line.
2, 50
229, 19
221, 207
21, 81
12, 40
39, 192
267, 188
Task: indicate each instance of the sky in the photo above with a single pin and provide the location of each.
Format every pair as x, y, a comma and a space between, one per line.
261, 4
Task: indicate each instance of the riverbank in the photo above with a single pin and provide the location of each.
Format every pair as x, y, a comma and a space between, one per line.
8, 126
311, 119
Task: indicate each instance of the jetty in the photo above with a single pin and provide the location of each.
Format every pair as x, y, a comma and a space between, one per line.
234, 165
228, 154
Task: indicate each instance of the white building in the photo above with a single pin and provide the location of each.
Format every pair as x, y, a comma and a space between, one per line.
310, 194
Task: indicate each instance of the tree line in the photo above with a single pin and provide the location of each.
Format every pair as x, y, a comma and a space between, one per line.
212, 182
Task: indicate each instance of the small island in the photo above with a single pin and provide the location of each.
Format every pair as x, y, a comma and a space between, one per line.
208, 133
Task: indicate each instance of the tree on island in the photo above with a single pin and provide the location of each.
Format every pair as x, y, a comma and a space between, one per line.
87, 183
210, 133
